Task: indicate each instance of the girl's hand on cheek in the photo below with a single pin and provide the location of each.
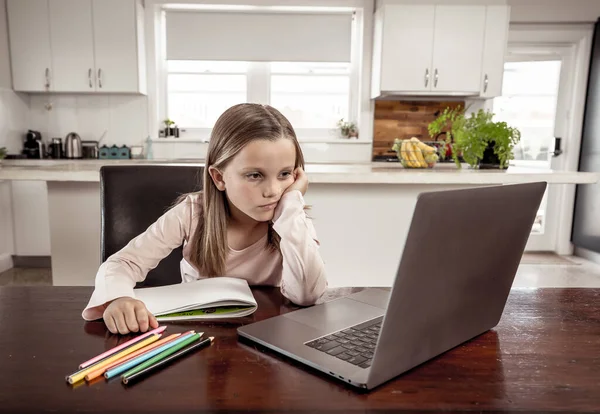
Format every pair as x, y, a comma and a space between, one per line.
300, 181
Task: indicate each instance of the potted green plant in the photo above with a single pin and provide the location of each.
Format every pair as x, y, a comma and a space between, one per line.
3, 153
347, 129
477, 139
168, 129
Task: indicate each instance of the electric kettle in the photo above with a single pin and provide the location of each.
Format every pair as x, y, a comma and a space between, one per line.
73, 146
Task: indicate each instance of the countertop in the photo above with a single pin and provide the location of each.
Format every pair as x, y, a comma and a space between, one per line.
367, 173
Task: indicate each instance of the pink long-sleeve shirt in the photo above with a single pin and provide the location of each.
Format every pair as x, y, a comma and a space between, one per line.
297, 268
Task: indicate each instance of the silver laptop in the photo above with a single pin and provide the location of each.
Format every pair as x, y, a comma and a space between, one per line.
459, 261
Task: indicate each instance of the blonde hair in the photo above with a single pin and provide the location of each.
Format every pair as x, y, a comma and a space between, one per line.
235, 128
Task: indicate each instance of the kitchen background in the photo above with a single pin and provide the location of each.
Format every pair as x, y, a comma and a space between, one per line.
130, 118
123, 119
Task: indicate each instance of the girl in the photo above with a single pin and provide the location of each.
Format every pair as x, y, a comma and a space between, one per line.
248, 222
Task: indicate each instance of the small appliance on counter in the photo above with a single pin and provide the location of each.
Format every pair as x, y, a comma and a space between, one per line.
90, 149
55, 149
73, 148
115, 153
33, 147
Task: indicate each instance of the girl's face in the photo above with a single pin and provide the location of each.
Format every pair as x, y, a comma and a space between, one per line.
256, 178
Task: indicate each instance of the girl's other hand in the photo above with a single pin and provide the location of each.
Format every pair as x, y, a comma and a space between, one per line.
300, 181
124, 315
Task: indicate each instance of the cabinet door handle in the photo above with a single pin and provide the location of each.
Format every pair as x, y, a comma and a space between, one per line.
426, 77
90, 77
47, 74
100, 78
435, 78
485, 83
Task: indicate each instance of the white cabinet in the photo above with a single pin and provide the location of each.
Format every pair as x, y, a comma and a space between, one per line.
77, 45
28, 30
72, 44
494, 50
438, 49
457, 49
31, 222
7, 243
119, 46
406, 48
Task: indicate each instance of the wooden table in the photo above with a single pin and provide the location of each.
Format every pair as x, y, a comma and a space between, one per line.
544, 356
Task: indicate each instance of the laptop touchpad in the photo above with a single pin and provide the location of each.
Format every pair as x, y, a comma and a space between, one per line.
335, 315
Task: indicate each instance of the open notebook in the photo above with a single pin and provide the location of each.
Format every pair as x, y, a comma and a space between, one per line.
212, 298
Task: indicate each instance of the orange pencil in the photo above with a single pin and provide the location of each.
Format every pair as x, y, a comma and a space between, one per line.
96, 373
79, 375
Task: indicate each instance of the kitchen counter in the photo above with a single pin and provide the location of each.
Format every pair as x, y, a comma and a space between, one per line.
378, 199
367, 173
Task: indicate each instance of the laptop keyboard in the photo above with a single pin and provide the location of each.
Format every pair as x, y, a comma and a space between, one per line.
354, 345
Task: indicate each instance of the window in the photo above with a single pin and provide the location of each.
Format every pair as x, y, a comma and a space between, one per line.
303, 62
528, 102
313, 96
198, 92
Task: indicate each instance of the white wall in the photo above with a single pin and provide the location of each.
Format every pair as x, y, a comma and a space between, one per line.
116, 119
31, 222
7, 247
5, 79
530, 11
379, 3
554, 11
7, 99
14, 111
14, 107
23, 205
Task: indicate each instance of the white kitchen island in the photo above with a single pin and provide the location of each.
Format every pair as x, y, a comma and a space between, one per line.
361, 211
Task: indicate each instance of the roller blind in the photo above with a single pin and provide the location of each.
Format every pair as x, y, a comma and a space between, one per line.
273, 37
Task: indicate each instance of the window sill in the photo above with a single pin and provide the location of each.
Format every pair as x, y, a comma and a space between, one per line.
171, 140
334, 141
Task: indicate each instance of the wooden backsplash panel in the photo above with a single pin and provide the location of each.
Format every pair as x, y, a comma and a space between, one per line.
404, 120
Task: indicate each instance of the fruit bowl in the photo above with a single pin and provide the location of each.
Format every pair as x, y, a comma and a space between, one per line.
413, 153
408, 164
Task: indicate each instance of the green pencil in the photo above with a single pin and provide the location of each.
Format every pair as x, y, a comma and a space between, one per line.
160, 356
166, 361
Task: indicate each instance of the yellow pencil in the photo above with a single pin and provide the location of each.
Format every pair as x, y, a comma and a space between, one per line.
79, 375
100, 371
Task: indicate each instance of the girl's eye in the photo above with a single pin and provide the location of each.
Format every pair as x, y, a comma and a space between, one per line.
253, 176
286, 174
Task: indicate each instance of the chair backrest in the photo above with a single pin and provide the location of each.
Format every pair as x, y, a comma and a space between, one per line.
135, 196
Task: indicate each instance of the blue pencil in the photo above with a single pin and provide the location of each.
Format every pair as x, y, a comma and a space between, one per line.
144, 357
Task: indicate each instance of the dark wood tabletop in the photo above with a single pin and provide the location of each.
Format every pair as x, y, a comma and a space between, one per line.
544, 356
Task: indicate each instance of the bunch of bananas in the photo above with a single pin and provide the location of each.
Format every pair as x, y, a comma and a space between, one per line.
415, 154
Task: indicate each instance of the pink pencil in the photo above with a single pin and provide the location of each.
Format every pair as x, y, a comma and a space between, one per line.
158, 330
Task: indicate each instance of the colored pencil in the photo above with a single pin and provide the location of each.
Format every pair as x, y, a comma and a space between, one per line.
163, 362
136, 361
109, 356
98, 372
160, 356
111, 351
79, 375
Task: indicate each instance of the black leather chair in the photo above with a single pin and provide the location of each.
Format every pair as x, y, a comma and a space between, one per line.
135, 196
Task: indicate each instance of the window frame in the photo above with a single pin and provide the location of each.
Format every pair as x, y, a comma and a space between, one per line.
258, 89
546, 55
202, 134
